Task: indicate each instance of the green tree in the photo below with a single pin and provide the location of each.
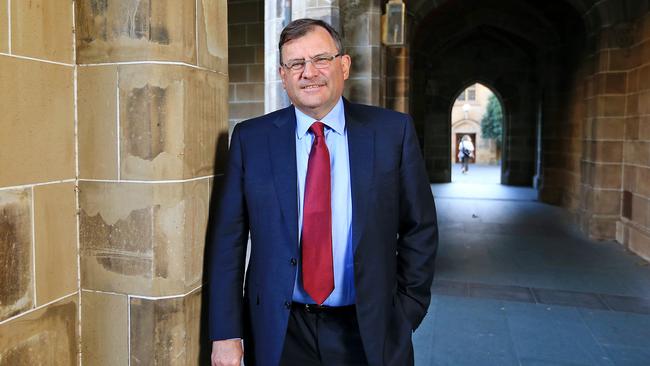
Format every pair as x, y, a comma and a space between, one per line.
492, 121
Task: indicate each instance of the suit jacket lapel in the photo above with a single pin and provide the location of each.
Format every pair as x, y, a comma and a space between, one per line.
361, 149
282, 146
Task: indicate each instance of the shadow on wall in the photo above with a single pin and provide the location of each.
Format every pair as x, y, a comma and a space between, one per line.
220, 159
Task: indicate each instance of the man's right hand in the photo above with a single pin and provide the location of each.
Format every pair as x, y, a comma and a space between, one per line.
228, 352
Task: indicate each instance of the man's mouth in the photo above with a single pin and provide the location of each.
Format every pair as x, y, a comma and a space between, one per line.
312, 87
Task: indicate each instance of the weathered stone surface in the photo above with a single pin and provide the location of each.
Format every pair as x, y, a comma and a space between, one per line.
601, 228
244, 110
606, 202
4, 37
105, 329
145, 239
42, 29
639, 242
16, 292
249, 92
605, 151
365, 91
242, 55
611, 106
245, 12
97, 122
132, 30
170, 119
608, 129
55, 230
213, 34
365, 62
166, 331
36, 100
606, 176
45, 337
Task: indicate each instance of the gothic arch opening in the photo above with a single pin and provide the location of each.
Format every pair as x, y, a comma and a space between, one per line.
476, 116
524, 50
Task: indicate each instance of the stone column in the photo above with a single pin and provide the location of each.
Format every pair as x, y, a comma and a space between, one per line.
246, 59
277, 14
361, 32
633, 229
397, 78
39, 293
601, 164
152, 111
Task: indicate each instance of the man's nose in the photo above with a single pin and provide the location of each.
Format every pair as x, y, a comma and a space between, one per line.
309, 71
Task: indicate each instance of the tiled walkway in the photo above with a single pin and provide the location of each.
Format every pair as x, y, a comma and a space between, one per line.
516, 284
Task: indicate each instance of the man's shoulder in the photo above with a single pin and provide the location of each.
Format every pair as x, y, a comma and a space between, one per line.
264, 122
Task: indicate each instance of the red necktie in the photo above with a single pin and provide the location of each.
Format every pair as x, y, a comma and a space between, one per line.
317, 264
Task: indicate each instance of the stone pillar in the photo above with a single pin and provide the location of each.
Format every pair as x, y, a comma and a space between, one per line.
361, 32
602, 148
39, 293
277, 14
246, 59
633, 229
397, 79
152, 111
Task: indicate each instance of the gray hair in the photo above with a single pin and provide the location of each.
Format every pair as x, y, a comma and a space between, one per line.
299, 27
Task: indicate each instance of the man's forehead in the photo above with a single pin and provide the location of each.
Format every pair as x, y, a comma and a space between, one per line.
314, 42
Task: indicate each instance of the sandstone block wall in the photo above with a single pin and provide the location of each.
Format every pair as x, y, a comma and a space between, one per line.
633, 78
361, 32
597, 164
246, 63
147, 143
39, 295
115, 123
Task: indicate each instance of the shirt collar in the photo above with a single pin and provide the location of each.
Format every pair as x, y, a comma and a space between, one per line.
335, 120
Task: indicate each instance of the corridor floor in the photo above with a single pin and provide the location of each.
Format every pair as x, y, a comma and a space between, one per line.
517, 284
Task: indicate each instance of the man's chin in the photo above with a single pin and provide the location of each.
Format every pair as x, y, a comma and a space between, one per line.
312, 103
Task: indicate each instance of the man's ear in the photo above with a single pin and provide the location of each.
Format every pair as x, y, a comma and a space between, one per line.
346, 62
283, 74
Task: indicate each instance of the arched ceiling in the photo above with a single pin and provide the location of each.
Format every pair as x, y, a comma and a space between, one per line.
426, 6
595, 13
527, 24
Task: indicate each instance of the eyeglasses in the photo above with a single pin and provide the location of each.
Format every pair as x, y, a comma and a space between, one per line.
319, 62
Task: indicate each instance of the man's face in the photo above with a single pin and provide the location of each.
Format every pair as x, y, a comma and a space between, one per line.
314, 91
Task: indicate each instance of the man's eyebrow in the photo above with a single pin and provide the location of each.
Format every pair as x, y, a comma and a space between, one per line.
326, 53
295, 59
321, 54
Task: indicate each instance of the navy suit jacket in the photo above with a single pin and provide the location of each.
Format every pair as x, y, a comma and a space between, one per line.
394, 234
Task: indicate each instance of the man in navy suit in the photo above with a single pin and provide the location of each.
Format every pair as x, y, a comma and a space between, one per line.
341, 219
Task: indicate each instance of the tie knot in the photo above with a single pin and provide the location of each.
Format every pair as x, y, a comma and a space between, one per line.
318, 128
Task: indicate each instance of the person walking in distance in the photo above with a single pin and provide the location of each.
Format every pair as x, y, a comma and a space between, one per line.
465, 152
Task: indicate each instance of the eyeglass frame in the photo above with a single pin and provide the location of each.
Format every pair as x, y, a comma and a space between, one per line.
329, 59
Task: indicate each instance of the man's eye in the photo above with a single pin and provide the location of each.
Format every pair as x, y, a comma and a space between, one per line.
296, 64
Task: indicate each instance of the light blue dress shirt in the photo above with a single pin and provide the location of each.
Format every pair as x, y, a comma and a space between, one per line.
337, 143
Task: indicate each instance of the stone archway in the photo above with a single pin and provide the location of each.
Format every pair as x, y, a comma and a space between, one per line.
466, 117
508, 45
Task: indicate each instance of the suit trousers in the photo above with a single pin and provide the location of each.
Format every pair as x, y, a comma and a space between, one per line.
322, 337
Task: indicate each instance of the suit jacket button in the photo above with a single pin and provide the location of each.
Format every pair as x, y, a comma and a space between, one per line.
294, 261
287, 304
